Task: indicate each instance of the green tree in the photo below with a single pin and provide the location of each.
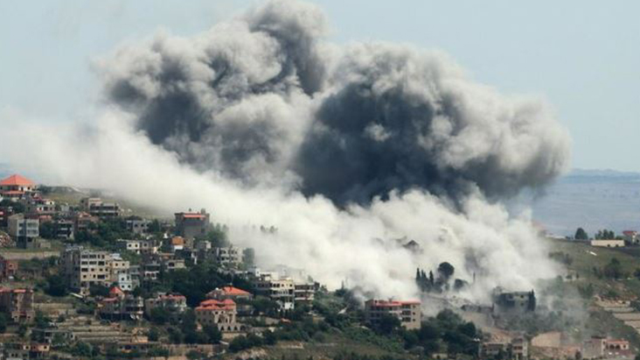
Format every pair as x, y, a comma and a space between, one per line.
445, 270
3, 323
214, 336
581, 234
388, 324
56, 286
47, 230
154, 334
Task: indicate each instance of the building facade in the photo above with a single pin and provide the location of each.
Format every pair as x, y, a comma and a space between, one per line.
218, 313
191, 225
17, 304
408, 312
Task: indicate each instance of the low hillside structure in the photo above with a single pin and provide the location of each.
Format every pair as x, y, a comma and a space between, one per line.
408, 312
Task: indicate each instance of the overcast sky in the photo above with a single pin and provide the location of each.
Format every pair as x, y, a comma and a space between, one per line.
581, 55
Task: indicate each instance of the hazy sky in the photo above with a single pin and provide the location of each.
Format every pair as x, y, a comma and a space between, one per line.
582, 55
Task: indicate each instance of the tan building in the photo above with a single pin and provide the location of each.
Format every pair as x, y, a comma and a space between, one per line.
601, 347
83, 268
280, 290
98, 208
229, 256
24, 231
608, 243
17, 304
191, 225
408, 312
218, 313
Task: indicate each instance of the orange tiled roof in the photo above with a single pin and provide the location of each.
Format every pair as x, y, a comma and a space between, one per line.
17, 180
193, 216
216, 305
115, 291
230, 290
177, 240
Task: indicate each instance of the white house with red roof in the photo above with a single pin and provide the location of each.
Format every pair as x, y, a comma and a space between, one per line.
16, 186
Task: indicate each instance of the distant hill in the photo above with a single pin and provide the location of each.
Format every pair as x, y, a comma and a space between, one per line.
593, 199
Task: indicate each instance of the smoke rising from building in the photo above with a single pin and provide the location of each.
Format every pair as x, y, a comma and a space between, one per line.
344, 149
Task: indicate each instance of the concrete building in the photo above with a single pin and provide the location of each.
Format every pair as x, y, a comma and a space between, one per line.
408, 312
228, 256
608, 243
121, 306
83, 268
304, 292
218, 313
280, 290
601, 347
174, 304
17, 304
24, 231
83, 221
98, 208
137, 225
513, 303
137, 246
191, 225
63, 229
631, 236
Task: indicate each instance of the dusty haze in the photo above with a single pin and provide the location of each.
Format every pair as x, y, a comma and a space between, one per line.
344, 149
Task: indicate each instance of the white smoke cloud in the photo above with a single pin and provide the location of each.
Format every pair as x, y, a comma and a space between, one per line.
188, 136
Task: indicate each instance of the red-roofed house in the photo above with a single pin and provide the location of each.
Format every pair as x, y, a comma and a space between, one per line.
408, 312
15, 186
218, 313
240, 297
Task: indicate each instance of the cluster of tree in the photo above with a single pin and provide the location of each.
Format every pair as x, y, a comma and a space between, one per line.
445, 332
441, 282
605, 235
217, 235
612, 270
187, 331
105, 233
16, 207
581, 234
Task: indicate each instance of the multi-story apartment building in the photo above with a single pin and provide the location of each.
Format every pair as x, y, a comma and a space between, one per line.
278, 289
408, 312
218, 313
17, 303
63, 229
304, 292
137, 246
24, 231
137, 225
83, 268
98, 208
121, 306
191, 225
228, 256
83, 221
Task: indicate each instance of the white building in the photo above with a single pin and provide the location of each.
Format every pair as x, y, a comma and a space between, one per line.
24, 231
608, 243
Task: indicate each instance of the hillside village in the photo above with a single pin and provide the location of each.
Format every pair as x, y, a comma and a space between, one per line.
92, 279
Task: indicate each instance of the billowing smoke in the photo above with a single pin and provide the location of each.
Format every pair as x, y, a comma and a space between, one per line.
344, 149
